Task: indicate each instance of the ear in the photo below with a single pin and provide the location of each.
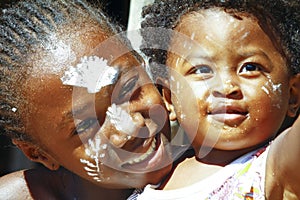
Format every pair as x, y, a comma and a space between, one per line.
294, 101
36, 154
166, 94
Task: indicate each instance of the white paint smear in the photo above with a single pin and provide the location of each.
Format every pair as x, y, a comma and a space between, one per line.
92, 73
121, 119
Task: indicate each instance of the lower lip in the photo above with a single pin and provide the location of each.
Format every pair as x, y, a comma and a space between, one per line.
155, 160
229, 119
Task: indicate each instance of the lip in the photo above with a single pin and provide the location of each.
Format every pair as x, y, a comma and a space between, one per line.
150, 160
142, 151
229, 115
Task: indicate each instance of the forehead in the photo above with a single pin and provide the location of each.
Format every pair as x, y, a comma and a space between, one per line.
68, 48
217, 23
214, 29
70, 44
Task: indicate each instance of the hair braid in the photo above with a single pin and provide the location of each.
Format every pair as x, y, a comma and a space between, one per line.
23, 27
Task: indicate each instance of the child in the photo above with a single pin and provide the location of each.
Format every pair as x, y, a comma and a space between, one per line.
75, 97
241, 61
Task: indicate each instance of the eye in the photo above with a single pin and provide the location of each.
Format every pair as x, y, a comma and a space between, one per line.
85, 125
202, 71
251, 69
128, 86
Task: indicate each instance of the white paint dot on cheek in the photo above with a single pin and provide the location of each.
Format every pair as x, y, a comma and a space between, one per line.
177, 62
193, 36
265, 90
245, 36
274, 92
172, 78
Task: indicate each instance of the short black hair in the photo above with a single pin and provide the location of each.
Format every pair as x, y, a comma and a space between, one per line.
283, 17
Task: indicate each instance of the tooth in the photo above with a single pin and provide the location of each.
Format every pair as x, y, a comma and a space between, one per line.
145, 155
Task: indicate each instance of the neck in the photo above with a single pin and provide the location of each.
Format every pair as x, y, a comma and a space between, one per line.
83, 189
223, 157
63, 184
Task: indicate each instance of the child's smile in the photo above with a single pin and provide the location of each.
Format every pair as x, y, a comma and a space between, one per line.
228, 114
232, 72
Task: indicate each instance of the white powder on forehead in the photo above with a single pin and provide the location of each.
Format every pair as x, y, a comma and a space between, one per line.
92, 73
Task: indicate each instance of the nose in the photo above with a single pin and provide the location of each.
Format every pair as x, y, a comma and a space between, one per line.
227, 89
148, 105
142, 117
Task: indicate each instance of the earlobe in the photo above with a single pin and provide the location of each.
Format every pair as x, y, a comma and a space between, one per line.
35, 154
167, 100
294, 101
163, 85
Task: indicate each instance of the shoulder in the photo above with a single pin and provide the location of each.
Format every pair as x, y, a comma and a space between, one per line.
38, 183
283, 163
14, 186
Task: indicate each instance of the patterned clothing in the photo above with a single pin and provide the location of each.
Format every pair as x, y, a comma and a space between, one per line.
243, 179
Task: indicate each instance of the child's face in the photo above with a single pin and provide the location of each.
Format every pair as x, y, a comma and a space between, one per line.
73, 129
239, 80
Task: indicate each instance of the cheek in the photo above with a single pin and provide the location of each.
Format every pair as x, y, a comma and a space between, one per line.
268, 101
270, 94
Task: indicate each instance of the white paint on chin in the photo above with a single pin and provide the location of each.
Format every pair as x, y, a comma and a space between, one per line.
92, 73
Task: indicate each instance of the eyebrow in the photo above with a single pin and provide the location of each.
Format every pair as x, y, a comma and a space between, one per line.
207, 55
254, 52
69, 116
79, 110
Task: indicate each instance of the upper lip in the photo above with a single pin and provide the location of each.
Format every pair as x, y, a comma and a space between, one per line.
227, 109
139, 143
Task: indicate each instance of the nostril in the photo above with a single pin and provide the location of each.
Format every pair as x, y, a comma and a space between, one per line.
235, 93
232, 93
218, 94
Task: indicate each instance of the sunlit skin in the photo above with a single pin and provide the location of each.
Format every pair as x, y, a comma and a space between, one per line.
52, 122
242, 91
233, 71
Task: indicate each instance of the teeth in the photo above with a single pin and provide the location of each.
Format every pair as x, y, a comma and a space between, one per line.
145, 155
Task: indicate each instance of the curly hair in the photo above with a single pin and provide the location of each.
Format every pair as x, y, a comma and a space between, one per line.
281, 16
24, 27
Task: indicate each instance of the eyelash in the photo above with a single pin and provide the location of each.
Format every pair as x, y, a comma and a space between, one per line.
128, 86
204, 71
202, 67
88, 123
258, 67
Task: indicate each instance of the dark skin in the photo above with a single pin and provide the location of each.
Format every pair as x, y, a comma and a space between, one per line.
219, 73
50, 123
66, 184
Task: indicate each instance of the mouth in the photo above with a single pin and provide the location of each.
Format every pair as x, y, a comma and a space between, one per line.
229, 115
150, 159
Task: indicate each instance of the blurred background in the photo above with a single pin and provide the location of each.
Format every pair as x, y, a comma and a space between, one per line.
11, 158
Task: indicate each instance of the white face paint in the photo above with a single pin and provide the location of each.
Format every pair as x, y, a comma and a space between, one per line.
92, 73
121, 119
96, 152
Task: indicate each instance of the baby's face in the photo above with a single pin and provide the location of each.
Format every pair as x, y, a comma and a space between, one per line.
97, 113
239, 80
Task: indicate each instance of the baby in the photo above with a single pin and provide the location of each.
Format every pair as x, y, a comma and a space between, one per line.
233, 73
